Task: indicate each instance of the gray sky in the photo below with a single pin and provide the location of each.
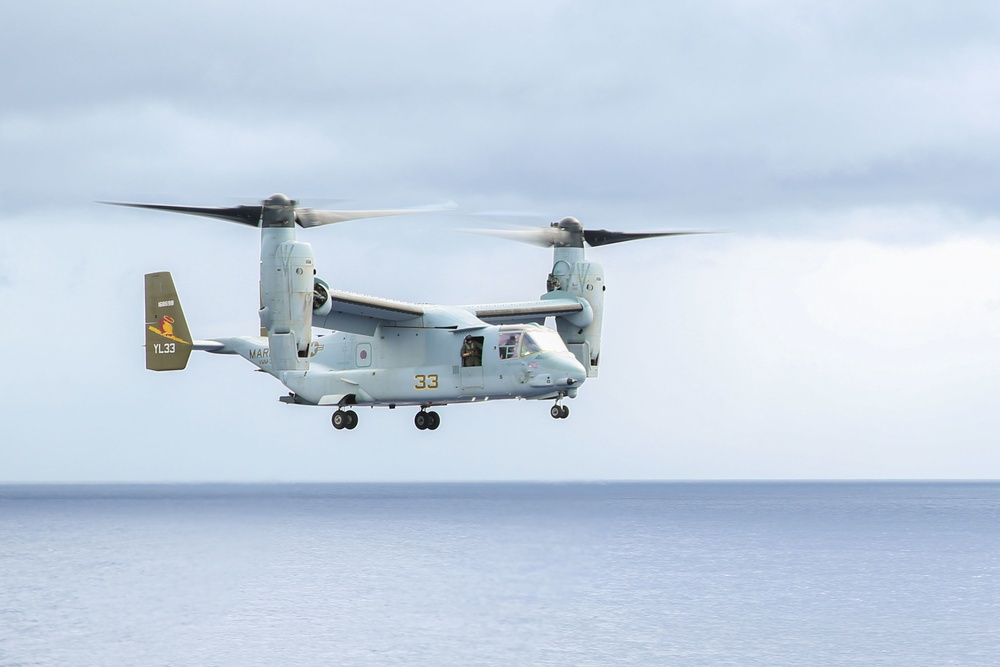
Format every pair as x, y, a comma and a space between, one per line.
845, 327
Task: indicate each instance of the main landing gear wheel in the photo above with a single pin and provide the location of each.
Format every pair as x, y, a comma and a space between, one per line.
344, 419
559, 411
427, 420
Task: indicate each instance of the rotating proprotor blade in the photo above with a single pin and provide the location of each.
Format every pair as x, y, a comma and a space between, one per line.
308, 217
599, 237
569, 233
277, 210
246, 215
544, 237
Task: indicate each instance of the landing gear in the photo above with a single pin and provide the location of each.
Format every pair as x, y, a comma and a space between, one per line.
559, 411
344, 419
427, 420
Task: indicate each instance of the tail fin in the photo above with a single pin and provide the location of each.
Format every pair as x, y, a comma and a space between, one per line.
168, 341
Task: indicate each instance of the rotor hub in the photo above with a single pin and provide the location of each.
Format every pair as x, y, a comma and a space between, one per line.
569, 224
279, 211
277, 200
567, 233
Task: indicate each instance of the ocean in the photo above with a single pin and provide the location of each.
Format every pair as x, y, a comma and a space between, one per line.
671, 573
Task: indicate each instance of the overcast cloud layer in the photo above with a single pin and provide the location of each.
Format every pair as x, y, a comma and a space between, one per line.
846, 326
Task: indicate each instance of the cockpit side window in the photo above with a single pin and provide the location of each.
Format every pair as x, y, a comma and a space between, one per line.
509, 343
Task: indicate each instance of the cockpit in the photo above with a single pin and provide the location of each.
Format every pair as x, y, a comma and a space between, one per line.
517, 342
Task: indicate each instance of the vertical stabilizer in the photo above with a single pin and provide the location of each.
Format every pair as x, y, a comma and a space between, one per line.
168, 340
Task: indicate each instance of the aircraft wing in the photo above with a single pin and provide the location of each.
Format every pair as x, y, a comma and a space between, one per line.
373, 306
361, 314
523, 312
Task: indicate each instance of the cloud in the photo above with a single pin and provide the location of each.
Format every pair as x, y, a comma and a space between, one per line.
720, 108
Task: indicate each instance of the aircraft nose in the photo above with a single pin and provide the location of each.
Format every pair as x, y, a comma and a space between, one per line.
567, 370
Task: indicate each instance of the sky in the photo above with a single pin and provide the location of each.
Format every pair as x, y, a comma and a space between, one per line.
842, 325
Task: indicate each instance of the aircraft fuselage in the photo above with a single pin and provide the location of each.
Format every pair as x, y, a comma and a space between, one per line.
425, 366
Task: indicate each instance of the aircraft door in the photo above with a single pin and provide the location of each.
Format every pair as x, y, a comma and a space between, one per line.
472, 362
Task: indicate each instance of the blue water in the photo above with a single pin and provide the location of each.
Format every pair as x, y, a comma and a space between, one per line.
501, 574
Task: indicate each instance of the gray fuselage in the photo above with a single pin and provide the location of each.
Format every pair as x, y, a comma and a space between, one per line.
425, 366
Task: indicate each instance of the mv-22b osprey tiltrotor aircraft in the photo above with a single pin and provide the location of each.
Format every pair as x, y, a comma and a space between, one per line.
380, 352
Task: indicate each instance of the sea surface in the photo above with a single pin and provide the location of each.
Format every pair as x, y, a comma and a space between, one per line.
501, 574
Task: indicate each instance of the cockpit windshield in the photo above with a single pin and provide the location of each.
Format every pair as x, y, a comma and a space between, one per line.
522, 341
540, 340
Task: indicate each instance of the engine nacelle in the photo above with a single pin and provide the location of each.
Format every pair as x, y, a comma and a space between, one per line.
585, 280
286, 294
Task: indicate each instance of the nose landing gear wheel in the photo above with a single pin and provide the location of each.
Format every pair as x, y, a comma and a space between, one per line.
559, 411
